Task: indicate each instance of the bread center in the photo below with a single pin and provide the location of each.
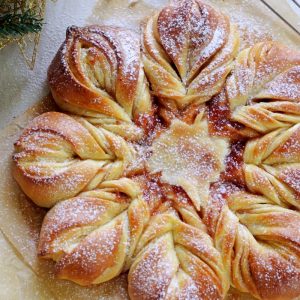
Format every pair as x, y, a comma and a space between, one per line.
187, 156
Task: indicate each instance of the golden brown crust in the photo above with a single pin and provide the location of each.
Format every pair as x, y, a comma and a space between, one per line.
58, 156
188, 48
102, 224
97, 73
176, 260
259, 249
261, 94
258, 234
92, 237
272, 166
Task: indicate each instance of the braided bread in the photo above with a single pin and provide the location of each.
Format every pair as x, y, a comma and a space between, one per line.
176, 258
92, 237
188, 49
261, 94
194, 191
58, 156
97, 73
259, 251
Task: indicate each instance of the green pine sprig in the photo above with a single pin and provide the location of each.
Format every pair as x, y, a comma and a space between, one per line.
19, 24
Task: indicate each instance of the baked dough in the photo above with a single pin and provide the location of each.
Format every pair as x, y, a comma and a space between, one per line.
188, 157
97, 73
59, 156
188, 49
181, 232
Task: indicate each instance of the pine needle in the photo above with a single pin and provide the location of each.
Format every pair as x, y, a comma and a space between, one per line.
19, 24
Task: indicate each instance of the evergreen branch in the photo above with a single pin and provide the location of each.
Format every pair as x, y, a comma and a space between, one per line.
14, 25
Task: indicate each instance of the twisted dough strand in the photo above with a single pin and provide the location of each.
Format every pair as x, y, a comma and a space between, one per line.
58, 156
92, 237
97, 73
272, 166
176, 260
262, 93
265, 117
259, 251
188, 48
265, 71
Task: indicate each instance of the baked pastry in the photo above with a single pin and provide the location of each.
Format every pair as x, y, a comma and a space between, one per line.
190, 190
93, 236
176, 258
58, 156
188, 49
262, 93
258, 241
97, 73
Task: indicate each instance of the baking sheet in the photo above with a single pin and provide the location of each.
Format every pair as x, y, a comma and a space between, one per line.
17, 280
28, 277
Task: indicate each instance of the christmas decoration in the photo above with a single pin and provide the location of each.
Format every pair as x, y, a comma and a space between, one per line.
21, 21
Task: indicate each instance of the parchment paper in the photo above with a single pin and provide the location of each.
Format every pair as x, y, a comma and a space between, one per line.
20, 220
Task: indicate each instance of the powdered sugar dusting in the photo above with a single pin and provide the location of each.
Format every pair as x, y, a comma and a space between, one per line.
153, 274
185, 154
